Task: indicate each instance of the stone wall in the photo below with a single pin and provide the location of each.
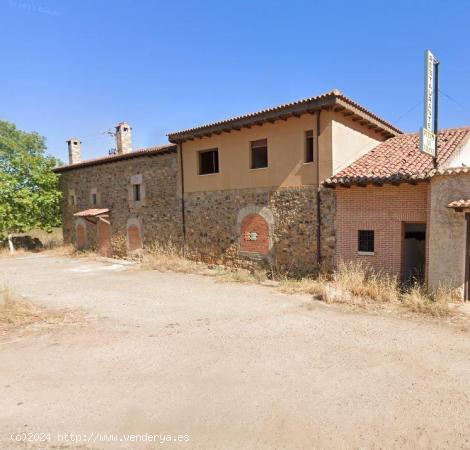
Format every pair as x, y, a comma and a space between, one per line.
158, 214
447, 231
217, 222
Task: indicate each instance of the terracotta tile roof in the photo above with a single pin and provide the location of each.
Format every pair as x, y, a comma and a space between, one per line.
399, 159
334, 99
91, 212
459, 204
453, 170
156, 150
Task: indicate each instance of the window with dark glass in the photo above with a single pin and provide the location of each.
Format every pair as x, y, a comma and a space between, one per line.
93, 198
365, 241
209, 161
137, 195
309, 146
259, 154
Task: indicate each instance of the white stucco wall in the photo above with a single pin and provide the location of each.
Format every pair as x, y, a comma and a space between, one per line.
447, 230
462, 158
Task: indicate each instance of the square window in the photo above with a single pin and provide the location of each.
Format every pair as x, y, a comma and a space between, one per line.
309, 146
259, 154
136, 191
365, 241
209, 161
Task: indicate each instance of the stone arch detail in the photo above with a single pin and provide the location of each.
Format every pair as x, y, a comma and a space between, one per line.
255, 226
81, 239
134, 234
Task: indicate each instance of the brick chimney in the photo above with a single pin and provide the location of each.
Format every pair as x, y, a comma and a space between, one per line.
123, 138
75, 152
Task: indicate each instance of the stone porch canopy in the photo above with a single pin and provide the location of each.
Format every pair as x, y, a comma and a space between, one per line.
333, 100
399, 160
149, 151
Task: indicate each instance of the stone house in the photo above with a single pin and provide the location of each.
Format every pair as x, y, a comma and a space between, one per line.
404, 213
251, 184
123, 202
244, 191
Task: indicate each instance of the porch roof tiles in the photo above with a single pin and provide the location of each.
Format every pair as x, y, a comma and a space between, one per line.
457, 204
91, 212
400, 159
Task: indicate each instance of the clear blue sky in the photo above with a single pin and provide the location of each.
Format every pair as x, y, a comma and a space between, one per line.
78, 67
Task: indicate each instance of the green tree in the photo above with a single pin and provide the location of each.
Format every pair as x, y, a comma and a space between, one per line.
29, 194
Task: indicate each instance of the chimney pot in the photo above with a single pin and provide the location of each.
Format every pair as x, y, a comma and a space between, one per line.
75, 152
123, 138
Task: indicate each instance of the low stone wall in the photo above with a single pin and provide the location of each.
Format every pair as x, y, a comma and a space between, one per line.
158, 215
221, 224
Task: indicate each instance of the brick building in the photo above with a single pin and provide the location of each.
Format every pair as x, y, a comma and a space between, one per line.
401, 212
242, 191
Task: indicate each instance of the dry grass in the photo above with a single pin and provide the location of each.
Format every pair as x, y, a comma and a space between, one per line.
49, 241
355, 284
16, 311
361, 281
169, 258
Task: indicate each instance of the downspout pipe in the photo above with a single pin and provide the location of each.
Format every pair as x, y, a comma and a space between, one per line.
183, 212
317, 146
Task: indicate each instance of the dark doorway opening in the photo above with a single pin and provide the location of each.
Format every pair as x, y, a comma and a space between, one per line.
414, 252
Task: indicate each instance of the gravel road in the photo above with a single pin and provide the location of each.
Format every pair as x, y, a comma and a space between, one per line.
227, 366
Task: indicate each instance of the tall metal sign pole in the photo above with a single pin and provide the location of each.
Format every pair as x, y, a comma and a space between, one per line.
428, 134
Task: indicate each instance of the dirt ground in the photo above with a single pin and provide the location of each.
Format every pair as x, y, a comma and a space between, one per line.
225, 366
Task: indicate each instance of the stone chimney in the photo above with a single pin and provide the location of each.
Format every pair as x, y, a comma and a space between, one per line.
75, 152
123, 138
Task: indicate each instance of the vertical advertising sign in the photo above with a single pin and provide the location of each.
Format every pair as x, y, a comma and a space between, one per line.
429, 131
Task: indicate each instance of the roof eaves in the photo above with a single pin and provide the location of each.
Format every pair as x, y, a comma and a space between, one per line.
310, 105
159, 150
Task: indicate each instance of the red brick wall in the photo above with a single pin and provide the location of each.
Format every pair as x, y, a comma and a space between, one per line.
383, 209
254, 223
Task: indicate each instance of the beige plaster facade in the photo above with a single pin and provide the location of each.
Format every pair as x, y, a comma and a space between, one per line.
341, 141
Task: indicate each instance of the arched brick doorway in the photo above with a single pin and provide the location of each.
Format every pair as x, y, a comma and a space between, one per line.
104, 238
254, 234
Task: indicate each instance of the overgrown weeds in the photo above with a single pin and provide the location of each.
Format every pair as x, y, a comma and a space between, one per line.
168, 258
356, 284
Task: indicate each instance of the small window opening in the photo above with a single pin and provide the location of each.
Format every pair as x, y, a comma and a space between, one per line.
309, 146
208, 162
366, 241
259, 154
93, 198
137, 194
